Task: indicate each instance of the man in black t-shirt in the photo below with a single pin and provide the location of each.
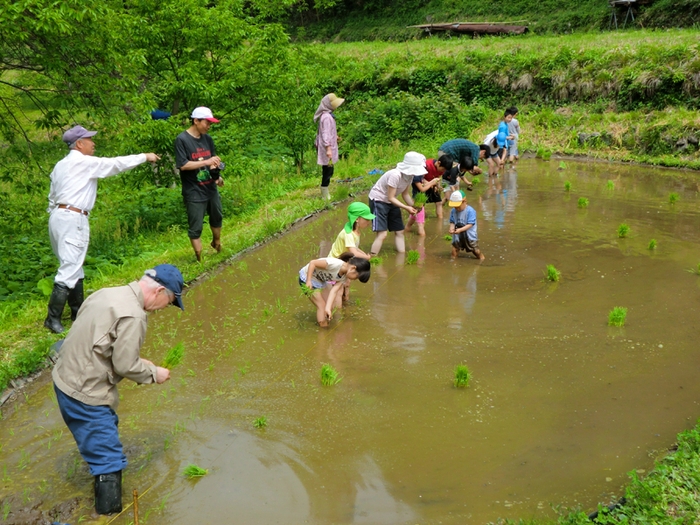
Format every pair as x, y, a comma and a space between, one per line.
195, 157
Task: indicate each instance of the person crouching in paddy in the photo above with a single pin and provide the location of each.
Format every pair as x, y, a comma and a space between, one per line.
463, 226
328, 276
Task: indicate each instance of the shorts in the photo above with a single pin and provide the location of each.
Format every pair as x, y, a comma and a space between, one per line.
446, 186
196, 212
466, 244
496, 155
387, 217
433, 195
513, 149
315, 285
420, 216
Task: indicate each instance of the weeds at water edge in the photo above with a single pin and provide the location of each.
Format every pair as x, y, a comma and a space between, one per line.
583, 202
412, 257
552, 274
329, 375
193, 471
617, 316
462, 376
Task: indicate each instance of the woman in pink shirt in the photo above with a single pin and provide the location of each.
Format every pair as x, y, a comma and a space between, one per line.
327, 139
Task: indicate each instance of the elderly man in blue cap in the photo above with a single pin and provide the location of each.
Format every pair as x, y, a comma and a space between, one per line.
100, 350
71, 198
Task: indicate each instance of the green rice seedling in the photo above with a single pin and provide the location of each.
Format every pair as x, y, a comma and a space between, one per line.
582, 202
476, 180
376, 260
329, 375
307, 291
193, 471
174, 356
652, 244
5, 510
562, 165
695, 270
412, 257
419, 200
567, 186
462, 376
448, 237
617, 316
672, 198
552, 274
610, 185
622, 230
260, 422
280, 307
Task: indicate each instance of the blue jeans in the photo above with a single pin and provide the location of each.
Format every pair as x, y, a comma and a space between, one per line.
94, 429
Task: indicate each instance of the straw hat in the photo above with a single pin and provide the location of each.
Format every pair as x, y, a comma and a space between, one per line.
335, 101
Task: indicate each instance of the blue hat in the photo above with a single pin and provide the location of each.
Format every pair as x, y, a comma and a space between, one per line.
170, 277
76, 133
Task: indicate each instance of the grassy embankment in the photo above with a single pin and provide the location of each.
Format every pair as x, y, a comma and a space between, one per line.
640, 91
389, 20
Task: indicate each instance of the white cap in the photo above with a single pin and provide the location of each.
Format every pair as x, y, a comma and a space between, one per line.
456, 199
203, 113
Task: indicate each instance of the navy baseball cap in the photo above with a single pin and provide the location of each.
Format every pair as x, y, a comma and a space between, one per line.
170, 277
76, 133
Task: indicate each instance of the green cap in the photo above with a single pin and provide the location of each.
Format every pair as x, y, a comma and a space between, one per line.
355, 210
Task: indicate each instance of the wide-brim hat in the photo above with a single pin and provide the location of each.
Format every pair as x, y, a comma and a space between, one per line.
413, 164
335, 101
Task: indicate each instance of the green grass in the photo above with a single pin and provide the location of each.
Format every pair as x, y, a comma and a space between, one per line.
673, 198
174, 356
412, 257
567, 186
652, 245
582, 202
552, 274
329, 375
623, 230
260, 422
617, 316
463, 376
193, 471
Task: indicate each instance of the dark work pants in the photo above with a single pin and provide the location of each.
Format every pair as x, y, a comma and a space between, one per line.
326, 174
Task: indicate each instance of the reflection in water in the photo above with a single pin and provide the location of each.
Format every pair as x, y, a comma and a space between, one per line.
560, 403
374, 504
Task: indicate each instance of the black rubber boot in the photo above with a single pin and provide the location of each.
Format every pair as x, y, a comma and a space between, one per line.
75, 299
57, 301
108, 493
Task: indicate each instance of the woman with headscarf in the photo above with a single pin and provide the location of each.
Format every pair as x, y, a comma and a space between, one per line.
327, 139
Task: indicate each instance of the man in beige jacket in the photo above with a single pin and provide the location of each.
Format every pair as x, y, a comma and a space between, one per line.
100, 350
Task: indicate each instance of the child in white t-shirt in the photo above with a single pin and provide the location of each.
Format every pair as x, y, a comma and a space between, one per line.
328, 275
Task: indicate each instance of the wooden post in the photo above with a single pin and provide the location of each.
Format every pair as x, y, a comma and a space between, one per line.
136, 507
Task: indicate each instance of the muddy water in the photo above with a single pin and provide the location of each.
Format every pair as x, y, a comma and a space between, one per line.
561, 408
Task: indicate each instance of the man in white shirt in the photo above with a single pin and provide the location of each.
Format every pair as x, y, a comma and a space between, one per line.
71, 198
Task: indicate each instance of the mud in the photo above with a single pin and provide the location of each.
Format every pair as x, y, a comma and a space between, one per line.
560, 409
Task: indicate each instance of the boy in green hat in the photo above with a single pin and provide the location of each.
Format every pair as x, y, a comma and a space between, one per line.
348, 240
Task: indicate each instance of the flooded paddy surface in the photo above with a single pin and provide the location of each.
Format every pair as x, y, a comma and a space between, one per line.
560, 410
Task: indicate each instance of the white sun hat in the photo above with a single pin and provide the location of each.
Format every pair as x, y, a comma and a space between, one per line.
413, 164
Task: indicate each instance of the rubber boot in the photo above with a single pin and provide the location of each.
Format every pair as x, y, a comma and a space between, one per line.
57, 301
324, 193
75, 299
108, 493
